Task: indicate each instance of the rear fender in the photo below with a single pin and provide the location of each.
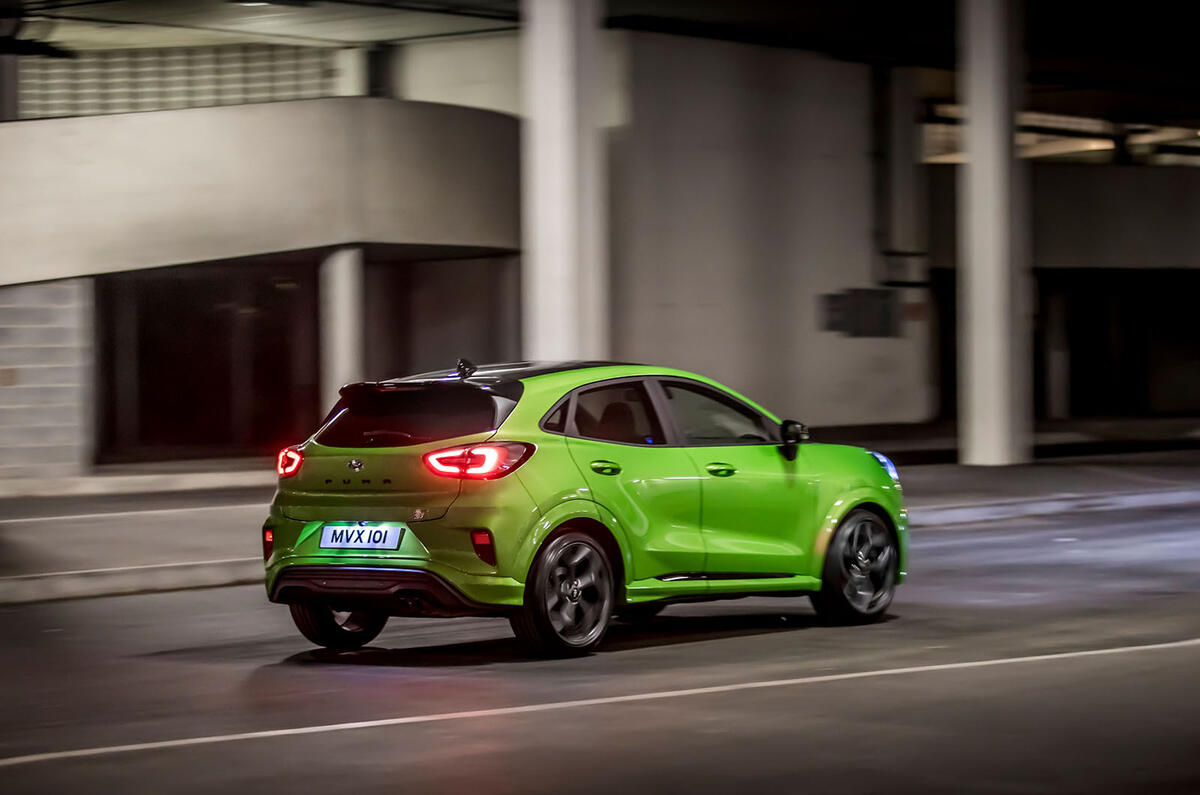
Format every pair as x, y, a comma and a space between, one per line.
560, 514
609, 520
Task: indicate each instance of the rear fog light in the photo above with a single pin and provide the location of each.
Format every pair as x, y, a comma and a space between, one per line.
485, 548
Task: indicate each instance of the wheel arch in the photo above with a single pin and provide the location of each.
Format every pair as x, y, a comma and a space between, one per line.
599, 532
882, 513
838, 512
589, 518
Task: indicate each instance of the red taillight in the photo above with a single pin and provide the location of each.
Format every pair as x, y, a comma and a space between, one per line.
479, 461
485, 548
289, 462
268, 542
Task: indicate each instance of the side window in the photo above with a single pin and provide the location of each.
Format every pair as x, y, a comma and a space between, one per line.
705, 416
618, 413
556, 422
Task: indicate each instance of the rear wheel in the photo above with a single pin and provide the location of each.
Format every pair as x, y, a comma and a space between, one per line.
335, 629
568, 597
859, 578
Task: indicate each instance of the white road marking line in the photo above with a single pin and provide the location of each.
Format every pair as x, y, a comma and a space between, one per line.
1137, 477
585, 702
141, 512
184, 563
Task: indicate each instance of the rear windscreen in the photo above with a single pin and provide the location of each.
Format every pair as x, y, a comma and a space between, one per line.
400, 417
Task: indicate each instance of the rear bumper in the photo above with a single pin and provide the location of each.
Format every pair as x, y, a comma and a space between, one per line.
398, 591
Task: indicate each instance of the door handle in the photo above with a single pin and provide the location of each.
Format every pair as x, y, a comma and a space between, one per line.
606, 467
720, 470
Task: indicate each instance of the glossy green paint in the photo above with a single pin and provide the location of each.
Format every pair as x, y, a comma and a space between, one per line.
667, 509
656, 493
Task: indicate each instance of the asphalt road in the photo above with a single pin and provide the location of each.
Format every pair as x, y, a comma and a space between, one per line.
723, 697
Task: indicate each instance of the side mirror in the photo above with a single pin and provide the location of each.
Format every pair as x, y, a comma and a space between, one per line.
792, 433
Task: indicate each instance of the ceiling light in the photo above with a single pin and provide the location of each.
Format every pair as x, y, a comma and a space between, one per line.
294, 3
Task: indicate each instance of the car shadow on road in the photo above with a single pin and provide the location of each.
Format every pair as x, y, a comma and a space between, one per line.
666, 630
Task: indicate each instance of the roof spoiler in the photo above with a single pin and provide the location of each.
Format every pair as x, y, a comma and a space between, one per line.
463, 370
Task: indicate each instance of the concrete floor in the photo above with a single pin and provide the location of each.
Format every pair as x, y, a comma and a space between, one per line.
145, 669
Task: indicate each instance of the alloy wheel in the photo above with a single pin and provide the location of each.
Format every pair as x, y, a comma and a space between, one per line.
578, 593
868, 563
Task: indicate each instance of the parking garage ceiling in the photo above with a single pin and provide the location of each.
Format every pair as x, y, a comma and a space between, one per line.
1133, 66
88, 24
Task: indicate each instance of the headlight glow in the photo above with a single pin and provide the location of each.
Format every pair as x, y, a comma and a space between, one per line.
887, 464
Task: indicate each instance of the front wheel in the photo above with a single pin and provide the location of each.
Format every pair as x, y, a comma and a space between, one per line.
568, 597
859, 578
334, 629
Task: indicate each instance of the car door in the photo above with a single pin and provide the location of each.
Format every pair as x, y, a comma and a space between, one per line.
617, 440
756, 505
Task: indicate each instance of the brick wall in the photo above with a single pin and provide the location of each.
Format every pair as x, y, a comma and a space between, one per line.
45, 378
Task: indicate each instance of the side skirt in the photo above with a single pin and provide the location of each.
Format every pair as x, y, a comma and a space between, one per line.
700, 587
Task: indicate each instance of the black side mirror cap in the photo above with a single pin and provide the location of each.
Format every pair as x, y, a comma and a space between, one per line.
793, 432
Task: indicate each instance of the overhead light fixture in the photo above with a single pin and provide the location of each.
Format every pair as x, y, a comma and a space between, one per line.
294, 3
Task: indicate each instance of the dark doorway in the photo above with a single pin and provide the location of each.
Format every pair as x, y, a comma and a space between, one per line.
217, 359
1106, 343
1132, 340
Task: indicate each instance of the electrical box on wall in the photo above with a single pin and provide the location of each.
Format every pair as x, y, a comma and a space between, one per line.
862, 312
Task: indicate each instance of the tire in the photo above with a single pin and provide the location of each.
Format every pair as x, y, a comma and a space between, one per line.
333, 630
568, 597
859, 576
641, 613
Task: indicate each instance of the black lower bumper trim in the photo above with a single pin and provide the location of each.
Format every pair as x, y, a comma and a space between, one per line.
399, 592
723, 575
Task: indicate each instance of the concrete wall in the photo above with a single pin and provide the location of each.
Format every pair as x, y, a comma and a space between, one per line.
410, 327
45, 378
742, 192
1092, 216
483, 71
101, 194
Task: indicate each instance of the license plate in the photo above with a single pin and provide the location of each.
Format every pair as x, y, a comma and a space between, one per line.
358, 536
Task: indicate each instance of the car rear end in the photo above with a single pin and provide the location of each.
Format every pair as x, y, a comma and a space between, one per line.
395, 503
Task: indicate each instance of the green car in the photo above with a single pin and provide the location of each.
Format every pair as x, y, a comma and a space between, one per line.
562, 496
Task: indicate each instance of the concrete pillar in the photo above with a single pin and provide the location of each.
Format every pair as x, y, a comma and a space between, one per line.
350, 65
995, 420
341, 301
564, 252
9, 88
